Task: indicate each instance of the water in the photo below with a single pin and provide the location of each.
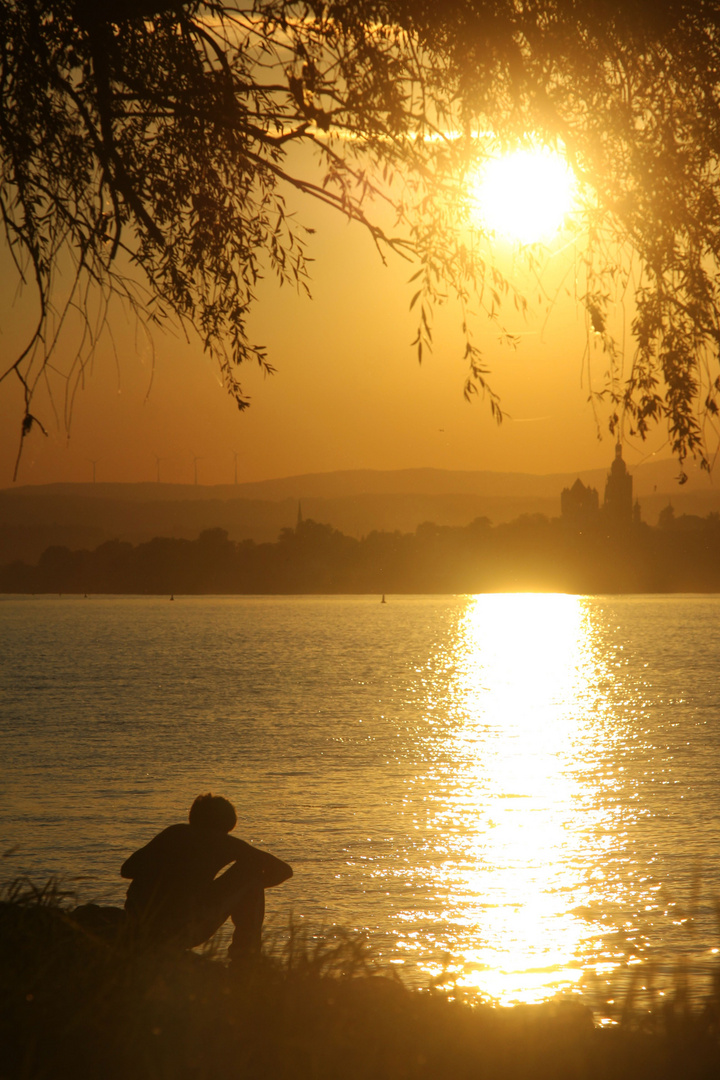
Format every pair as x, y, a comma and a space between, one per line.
515, 792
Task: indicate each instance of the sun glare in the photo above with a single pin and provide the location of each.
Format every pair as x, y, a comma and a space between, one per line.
524, 195
513, 815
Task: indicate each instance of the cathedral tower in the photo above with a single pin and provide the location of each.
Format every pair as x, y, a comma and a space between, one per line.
618, 504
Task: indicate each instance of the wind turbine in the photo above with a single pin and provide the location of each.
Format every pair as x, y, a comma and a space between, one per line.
157, 463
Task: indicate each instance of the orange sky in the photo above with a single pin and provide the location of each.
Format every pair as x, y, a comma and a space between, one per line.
348, 392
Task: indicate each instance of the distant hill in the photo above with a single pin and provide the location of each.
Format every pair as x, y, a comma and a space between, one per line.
660, 475
355, 501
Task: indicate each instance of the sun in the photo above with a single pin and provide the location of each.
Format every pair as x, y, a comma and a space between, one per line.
524, 195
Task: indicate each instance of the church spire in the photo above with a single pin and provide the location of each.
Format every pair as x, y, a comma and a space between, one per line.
618, 504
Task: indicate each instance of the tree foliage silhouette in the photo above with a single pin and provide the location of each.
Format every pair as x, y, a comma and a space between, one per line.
152, 146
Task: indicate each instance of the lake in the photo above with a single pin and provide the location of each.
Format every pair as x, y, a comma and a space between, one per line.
517, 793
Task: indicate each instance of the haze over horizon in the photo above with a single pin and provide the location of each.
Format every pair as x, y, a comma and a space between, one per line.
348, 392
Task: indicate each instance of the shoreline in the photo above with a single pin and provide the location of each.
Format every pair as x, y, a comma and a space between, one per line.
77, 1005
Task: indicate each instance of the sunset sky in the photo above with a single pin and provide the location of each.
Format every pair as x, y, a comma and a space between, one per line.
348, 392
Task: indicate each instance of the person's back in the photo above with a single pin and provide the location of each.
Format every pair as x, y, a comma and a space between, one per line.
175, 895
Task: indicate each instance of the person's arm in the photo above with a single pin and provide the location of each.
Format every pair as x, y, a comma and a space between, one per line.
270, 870
274, 871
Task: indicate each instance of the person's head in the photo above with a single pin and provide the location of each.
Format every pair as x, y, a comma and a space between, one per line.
213, 812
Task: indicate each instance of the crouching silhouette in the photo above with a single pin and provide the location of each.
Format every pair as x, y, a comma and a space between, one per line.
177, 895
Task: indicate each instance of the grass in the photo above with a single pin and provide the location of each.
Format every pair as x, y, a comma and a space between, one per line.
74, 1004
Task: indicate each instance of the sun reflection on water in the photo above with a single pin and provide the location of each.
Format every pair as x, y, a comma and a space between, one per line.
510, 800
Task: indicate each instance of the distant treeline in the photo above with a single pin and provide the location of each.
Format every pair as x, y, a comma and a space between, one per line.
680, 555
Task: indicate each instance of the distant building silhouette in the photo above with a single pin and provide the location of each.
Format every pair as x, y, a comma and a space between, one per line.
666, 517
579, 505
618, 502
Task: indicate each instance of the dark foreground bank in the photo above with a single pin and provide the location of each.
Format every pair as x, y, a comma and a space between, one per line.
74, 1004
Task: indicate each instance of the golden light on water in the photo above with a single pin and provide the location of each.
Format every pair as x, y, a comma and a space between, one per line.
528, 650
511, 802
524, 195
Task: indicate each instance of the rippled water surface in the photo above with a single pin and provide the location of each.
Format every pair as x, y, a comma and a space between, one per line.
518, 791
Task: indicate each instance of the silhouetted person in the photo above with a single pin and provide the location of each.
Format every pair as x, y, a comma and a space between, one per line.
175, 897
